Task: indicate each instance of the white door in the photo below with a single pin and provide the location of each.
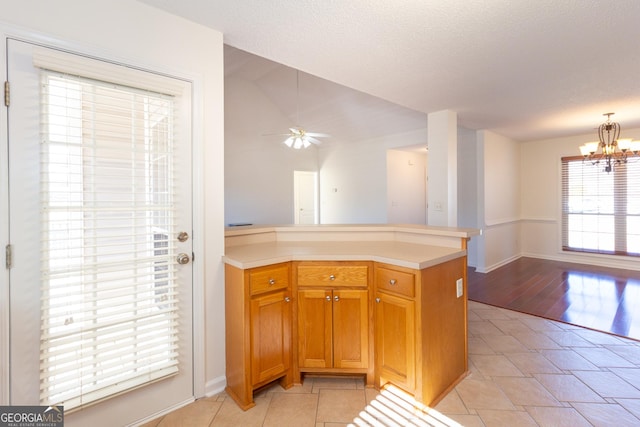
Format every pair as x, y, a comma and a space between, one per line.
96, 292
305, 197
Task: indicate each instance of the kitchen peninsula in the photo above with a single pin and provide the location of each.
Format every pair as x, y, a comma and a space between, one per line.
384, 301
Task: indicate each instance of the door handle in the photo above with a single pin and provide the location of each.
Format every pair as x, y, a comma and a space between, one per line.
183, 258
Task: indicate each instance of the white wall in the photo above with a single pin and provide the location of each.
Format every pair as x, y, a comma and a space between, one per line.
406, 187
540, 201
258, 168
442, 168
498, 200
132, 33
353, 178
467, 187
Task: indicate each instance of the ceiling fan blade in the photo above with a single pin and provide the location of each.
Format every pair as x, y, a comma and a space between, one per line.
314, 140
317, 135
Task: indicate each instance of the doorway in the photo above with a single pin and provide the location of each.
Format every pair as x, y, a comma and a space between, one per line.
305, 190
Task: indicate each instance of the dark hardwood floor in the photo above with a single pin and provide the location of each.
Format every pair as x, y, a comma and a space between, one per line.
604, 299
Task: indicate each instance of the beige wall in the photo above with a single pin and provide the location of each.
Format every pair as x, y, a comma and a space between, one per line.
498, 200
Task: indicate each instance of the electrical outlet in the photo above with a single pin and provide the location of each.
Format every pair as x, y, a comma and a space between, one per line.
459, 288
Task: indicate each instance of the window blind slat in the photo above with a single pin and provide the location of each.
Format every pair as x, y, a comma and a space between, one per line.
109, 294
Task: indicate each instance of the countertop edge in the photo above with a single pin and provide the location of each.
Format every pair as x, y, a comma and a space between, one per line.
419, 265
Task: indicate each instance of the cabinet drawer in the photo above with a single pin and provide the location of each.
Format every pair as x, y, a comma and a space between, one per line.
398, 282
333, 275
268, 279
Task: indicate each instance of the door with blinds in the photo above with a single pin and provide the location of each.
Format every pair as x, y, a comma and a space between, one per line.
100, 231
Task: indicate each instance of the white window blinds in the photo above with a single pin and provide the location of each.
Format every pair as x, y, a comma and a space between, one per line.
600, 210
109, 305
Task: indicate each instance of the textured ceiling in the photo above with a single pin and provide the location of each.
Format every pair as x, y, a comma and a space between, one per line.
526, 69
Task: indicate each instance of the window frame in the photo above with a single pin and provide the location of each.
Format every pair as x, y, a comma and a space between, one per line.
620, 179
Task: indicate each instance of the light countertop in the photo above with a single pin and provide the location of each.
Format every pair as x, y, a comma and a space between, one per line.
410, 255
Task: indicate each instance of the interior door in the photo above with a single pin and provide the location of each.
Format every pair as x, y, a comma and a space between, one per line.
25, 277
305, 199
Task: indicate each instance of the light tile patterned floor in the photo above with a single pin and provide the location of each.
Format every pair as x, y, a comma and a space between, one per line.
524, 371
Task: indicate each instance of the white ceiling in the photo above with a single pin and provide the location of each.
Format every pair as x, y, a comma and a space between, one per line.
526, 69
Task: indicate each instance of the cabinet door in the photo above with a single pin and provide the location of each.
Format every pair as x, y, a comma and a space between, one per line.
314, 329
350, 330
395, 340
270, 336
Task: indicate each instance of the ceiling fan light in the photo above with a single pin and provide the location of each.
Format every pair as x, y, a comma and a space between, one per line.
298, 143
288, 142
306, 143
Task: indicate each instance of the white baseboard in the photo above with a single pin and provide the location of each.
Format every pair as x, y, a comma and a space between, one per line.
215, 386
578, 258
499, 264
163, 412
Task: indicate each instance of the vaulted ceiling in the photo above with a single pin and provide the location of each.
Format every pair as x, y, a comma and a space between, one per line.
526, 69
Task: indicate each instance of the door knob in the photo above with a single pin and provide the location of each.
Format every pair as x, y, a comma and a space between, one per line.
183, 236
183, 258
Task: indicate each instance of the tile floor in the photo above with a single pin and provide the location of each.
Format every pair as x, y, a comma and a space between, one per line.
524, 371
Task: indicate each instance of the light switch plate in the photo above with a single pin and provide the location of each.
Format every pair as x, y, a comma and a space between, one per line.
459, 288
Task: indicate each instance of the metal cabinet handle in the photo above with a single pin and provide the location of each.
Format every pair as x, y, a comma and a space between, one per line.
328, 298
336, 298
287, 299
272, 282
332, 277
392, 282
378, 300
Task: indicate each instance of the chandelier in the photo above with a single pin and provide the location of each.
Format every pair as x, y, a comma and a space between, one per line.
609, 149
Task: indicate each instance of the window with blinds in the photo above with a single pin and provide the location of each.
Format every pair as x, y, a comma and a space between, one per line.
109, 305
600, 210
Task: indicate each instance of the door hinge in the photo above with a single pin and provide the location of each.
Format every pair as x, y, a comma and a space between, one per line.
8, 255
6, 94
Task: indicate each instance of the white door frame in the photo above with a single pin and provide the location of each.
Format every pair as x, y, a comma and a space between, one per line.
198, 303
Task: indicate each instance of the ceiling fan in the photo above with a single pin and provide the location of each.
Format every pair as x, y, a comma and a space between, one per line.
298, 137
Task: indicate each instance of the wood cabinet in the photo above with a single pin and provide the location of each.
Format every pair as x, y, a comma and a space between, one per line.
421, 333
393, 324
333, 318
258, 329
395, 328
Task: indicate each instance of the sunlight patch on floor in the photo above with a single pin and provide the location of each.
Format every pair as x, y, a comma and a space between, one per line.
395, 408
